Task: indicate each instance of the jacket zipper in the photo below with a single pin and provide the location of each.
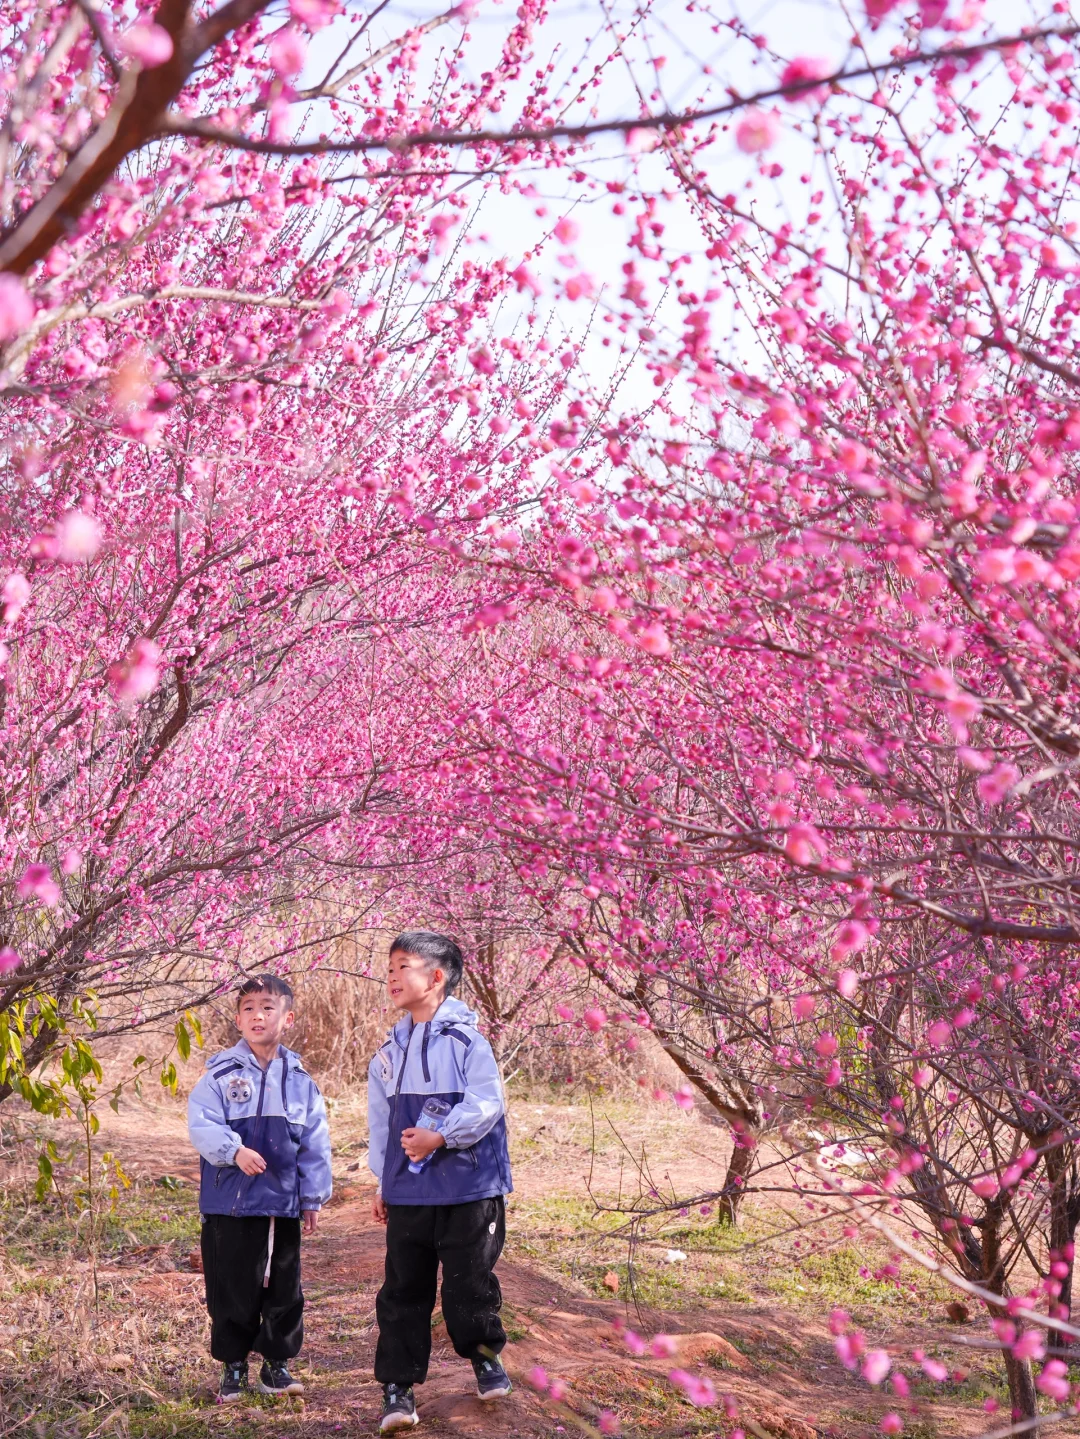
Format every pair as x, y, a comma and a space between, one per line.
258, 1116
401, 1076
401, 1071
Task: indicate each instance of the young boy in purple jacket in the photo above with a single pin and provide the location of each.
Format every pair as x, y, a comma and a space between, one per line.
441, 1189
259, 1122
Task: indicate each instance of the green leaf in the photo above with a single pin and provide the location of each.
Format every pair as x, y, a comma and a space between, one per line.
45, 1175
183, 1040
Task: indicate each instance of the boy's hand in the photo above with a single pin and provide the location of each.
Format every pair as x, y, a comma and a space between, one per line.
311, 1221
378, 1209
419, 1143
250, 1161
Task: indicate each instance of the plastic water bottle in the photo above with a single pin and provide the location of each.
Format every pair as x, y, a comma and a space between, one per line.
432, 1116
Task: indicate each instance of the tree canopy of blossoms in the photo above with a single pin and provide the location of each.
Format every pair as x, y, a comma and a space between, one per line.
624, 503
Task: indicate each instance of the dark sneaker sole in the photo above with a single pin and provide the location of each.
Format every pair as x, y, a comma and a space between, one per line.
390, 1422
232, 1398
499, 1393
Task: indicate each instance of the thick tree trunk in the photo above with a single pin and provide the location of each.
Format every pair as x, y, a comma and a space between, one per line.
743, 1157
1022, 1394
1064, 1217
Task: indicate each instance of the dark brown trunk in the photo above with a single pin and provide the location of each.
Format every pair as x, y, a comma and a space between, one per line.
1064, 1217
739, 1167
1022, 1394
1021, 1381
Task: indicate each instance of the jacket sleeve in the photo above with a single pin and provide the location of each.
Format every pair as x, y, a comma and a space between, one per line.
207, 1127
378, 1114
313, 1156
484, 1103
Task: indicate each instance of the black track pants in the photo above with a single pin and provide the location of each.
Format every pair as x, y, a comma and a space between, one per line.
467, 1239
243, 1315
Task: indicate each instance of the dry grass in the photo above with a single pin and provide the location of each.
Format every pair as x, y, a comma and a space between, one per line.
130, 1359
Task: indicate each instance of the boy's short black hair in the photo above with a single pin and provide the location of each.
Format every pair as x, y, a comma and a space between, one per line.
438, 951
264, 984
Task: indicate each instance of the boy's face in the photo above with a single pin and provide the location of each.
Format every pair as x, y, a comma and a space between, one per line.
409, 981
263, 1018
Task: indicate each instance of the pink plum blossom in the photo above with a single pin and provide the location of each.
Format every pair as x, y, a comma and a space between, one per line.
802, 69
700, 1392
135, 677
875, 1366
37, 881
14, 595
16, 307
148, 43
1030, 1345
79, 537
641, 139
654, 640
288, 51
757, 130
995, 786
939, 1033
997, 567
847, 983
1054, 1380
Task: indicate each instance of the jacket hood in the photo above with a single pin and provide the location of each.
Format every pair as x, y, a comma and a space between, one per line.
452, 1012
243, 1052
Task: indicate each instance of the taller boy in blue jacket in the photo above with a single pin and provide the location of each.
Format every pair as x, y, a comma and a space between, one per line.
441, 1191
259, 1122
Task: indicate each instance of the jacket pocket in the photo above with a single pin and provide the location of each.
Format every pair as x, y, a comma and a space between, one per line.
471, 1152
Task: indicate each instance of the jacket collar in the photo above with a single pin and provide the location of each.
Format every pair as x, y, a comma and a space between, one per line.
451, 1012
243, 1051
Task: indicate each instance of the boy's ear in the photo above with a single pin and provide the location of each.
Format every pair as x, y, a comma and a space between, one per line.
290, 1019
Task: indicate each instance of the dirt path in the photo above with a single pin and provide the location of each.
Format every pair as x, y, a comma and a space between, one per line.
783, 1377
138, 1363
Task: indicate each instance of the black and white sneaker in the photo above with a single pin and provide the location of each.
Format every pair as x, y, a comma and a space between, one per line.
275, 1378
399, 1408
234, 1382
492, 1380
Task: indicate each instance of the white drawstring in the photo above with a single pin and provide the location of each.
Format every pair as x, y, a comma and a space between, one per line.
269, 1254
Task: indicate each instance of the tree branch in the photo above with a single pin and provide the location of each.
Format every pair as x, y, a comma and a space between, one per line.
667, 120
